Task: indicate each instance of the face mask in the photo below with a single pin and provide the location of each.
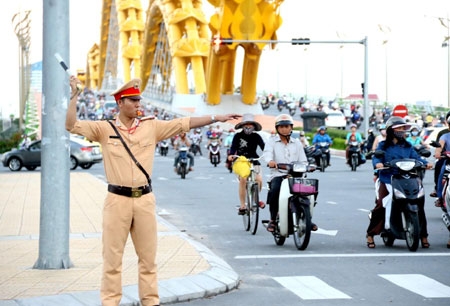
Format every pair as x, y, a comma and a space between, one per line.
414, 133
248, 130
399, 134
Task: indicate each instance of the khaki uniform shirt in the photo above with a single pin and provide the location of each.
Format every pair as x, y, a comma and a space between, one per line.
119, 167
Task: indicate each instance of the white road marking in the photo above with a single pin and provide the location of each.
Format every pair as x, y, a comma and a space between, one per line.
419, 284
326, 232
310, 288
303, 255
331, 202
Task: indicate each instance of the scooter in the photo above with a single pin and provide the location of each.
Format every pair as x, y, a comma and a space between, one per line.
195, 148
214, 152
164, 147
183, 162
297, 199
445, 186
322, 159
354, 155
312, 154
402, 220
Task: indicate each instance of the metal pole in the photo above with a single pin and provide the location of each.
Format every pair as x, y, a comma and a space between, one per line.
448, 61
55, 180
366, 85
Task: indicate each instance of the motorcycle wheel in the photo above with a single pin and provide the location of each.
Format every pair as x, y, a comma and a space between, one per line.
183, 171
354, 162
279, 240
302, 227
322, 163
253, 208
412, 231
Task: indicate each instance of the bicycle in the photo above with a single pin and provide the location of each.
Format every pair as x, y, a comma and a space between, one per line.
245, 167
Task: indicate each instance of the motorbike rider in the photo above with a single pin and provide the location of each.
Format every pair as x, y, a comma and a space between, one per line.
281, 149
395, 146
370, 140
322, 136
414, 139
246, 143
182, 141
303, 139
444, 142
437, 155
381, 137
353, 131
196, 138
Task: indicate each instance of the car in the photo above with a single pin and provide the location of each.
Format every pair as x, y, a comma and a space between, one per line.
429, 134
82, 153
335, 119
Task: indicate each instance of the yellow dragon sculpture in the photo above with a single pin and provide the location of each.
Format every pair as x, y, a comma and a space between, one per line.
181, 27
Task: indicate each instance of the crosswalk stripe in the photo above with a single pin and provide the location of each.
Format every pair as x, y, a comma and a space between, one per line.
419, 284
310, 288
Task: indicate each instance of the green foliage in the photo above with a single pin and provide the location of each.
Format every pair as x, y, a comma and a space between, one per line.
337, 135
10, 143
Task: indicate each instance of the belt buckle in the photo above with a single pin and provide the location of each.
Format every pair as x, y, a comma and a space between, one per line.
136, 192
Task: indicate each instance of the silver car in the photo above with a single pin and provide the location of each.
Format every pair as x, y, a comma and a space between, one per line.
82, 153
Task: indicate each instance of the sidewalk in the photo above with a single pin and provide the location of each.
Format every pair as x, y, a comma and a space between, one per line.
186, 269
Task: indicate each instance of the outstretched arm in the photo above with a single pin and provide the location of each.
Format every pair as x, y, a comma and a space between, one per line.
205, 120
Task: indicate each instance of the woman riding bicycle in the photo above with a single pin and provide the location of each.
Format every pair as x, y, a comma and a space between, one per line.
246, 143
281, 149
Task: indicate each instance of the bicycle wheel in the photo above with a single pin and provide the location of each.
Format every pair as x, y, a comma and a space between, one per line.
246, 216
302, 227
253, 208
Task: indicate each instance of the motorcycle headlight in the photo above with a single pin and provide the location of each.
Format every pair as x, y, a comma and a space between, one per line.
405, 165
299, 167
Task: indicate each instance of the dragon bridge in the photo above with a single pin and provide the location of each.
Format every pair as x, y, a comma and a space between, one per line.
177, 52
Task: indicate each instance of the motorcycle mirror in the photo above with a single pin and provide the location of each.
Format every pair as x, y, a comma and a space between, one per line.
435, 144
378, 153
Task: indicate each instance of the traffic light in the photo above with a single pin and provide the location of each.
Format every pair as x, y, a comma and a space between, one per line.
362, 88
300, 41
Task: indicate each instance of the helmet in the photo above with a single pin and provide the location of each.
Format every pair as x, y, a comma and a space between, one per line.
198, 130
283, 119
370, 131
447, 116
395, 122
353, 125
302, 133
321, 128
382, 127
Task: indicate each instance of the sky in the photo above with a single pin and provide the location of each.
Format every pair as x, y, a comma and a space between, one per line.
412, 66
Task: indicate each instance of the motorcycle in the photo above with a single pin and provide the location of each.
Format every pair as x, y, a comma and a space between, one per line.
163, 147
445, 186
214, 152
402, 220
297, 199
312, 154
195, 148
265, 103
355, 158
183, 162
322, 159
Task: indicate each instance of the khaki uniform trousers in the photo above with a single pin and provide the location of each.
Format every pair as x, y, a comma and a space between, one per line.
123, 216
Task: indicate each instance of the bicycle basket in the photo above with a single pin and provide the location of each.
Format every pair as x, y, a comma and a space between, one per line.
241, 167
303, 187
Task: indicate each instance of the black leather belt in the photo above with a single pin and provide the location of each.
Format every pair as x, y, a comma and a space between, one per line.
131, 192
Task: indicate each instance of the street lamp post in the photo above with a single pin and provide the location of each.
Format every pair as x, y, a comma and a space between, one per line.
22, 23
446, 43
